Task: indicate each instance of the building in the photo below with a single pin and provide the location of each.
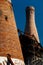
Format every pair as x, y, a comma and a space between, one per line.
30, 43
9, 40
28, 48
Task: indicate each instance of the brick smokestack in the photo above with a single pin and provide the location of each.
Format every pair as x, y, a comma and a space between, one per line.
30, 28
9, 40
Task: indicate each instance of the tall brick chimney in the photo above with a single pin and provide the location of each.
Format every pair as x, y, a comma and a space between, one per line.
9, 40
30, 28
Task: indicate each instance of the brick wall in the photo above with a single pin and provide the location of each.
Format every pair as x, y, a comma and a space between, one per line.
9, 41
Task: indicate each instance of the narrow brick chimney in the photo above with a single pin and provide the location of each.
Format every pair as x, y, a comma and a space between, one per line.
30, 27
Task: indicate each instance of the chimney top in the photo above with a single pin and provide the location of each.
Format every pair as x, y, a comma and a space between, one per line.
30, 8
5, 0
9, 1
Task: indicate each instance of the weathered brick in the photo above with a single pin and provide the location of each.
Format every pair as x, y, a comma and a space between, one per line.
9, 41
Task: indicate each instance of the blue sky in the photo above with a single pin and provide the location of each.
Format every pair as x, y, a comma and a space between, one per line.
19, 7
